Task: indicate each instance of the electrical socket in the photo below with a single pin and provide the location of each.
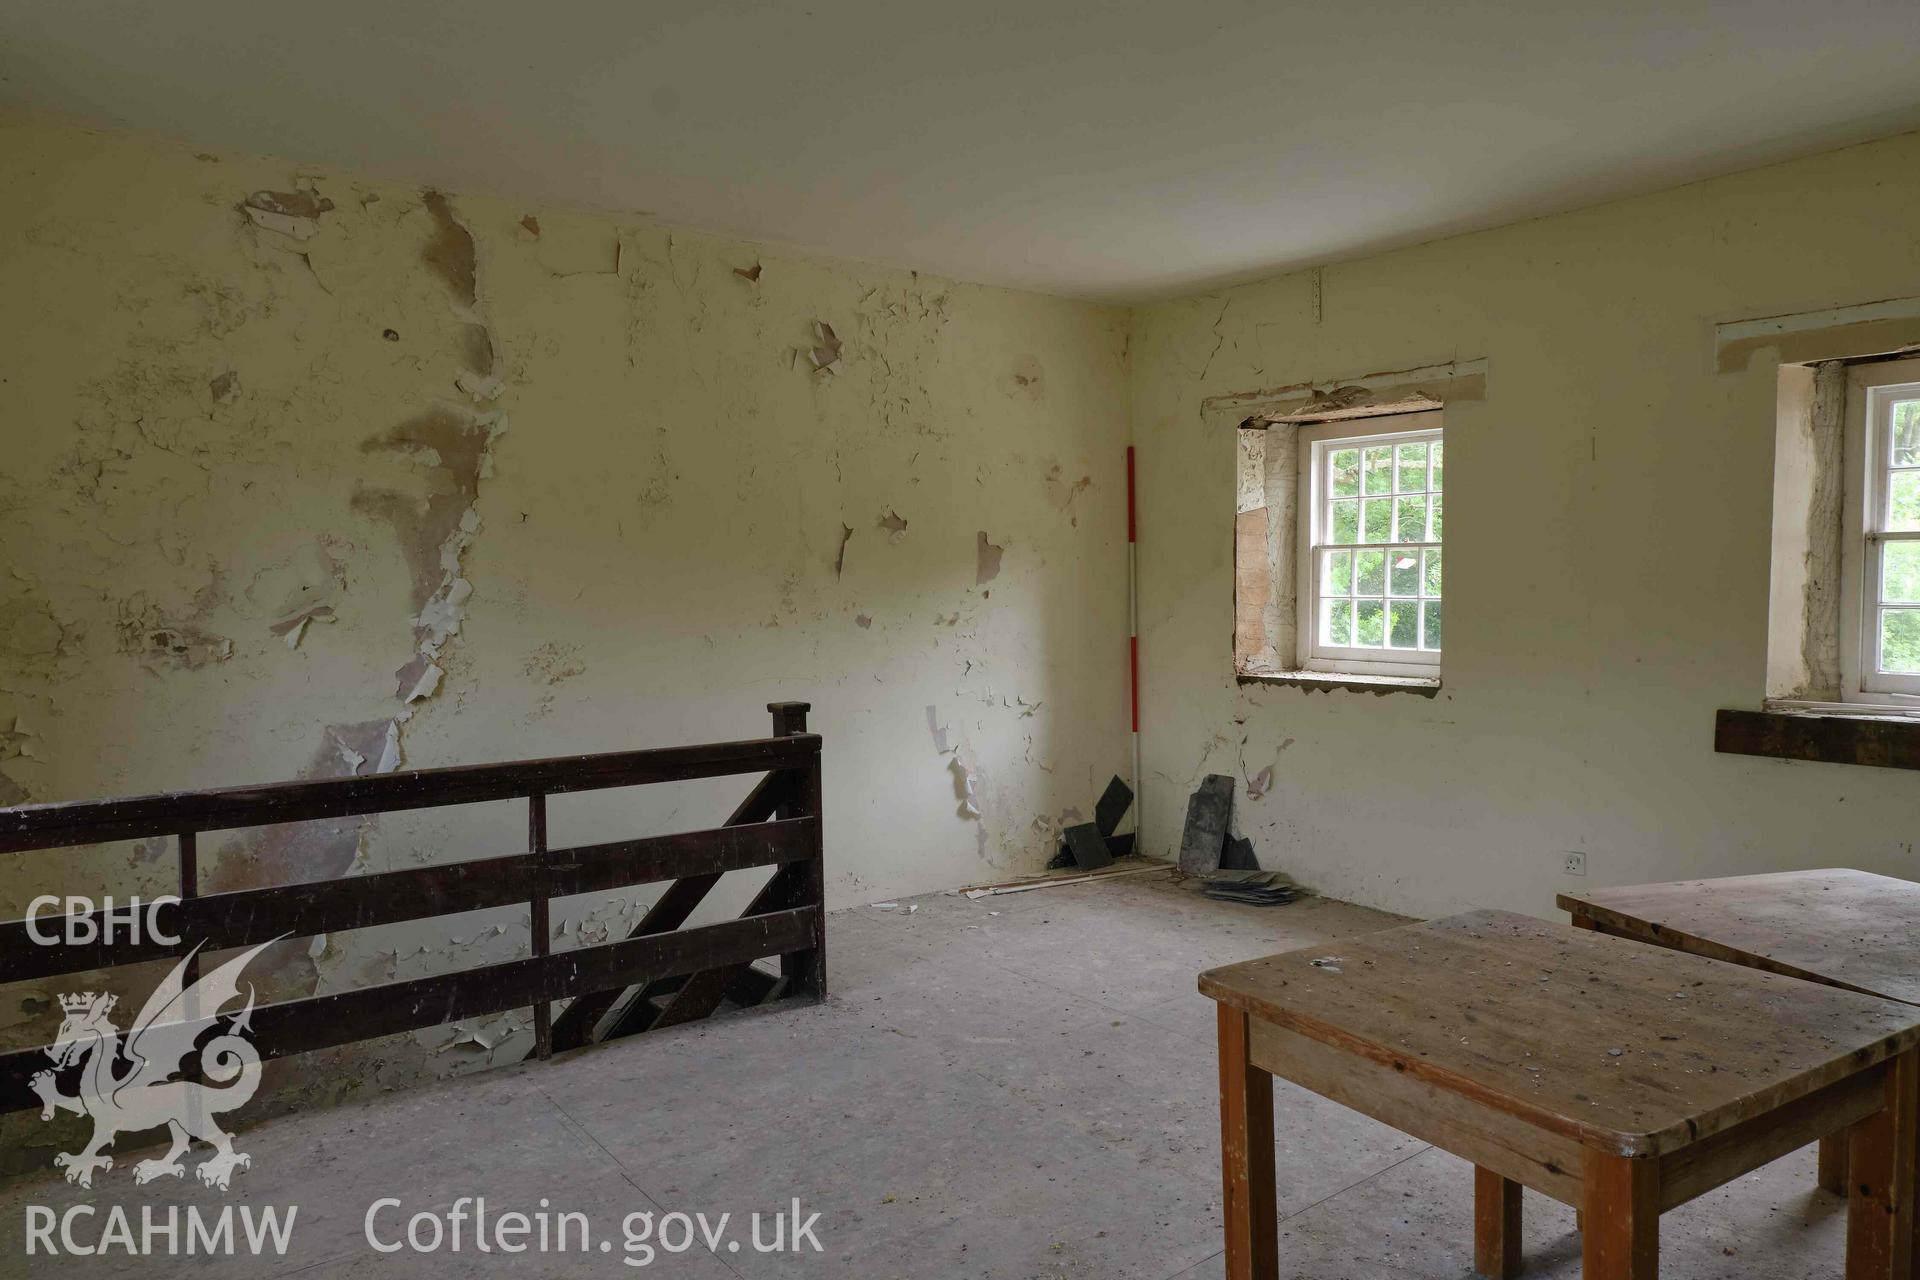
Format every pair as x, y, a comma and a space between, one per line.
1574, 864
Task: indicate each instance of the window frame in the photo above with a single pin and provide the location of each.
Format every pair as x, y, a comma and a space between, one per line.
1872, 390
1314, 507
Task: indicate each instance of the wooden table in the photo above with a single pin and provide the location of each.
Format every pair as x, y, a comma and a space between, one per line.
1847, 929
1618, 1078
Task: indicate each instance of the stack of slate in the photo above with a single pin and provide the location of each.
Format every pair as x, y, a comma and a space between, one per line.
1204, 843
1225, 862
1257, 888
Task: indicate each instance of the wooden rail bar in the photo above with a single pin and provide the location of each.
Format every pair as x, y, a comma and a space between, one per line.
247, 916
45, 826
318, 1022
692, 969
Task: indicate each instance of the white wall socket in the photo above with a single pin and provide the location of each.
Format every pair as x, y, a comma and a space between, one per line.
1574, 864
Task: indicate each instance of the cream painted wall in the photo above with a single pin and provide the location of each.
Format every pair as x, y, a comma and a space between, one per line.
207, 428
1608, 527
209, 425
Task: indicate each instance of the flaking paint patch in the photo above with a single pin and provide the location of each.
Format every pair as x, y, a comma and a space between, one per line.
986, 559
476, 350
293, 628
457, 447
553, 663
966, 785
289, 213
825, 351
1028, 377
1260, 783
16, 743
451, 445
296, 852
1061, 492
450, 251
162, 641
840, 556
32, 637
419, 678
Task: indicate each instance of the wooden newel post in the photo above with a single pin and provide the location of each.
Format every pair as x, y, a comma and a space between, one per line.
538, 918
189, 890
805, 971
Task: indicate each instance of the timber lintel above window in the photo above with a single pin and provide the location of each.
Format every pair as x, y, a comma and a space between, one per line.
1389, 391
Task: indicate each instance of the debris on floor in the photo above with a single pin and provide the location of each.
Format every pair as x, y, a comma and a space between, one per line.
1236, 854
1114, 803
1207, 814
1127, 866
1256, 888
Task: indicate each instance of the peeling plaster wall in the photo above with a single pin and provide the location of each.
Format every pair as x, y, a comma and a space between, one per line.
308, 475
1608, 532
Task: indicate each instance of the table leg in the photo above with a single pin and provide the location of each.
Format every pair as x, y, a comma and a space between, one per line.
1907, 1078
1246, 1156
1833, 1163
1620, 1239
1880, 1181
1496, 1225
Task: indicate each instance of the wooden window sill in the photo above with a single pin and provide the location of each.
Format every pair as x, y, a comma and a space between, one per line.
1869, 738
1326, 681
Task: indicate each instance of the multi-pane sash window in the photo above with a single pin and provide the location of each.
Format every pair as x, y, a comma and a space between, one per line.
1374, 511
1886, 404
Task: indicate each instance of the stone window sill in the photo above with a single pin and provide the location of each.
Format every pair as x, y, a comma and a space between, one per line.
1327, 681
1870, 737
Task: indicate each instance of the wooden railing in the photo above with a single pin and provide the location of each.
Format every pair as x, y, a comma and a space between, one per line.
674, 974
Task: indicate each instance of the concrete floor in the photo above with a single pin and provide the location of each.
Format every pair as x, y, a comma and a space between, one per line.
1018, 1086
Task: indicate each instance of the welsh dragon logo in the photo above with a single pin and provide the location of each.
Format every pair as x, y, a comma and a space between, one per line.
141, 1092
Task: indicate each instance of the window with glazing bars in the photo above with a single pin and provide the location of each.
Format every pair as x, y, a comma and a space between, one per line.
1881, 561
1371, 564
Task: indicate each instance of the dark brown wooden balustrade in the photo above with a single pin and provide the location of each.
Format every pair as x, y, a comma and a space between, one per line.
661, 974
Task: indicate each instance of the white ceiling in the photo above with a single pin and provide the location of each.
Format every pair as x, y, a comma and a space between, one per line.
1107, 150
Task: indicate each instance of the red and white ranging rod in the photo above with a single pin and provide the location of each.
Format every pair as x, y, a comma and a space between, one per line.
1133, 649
